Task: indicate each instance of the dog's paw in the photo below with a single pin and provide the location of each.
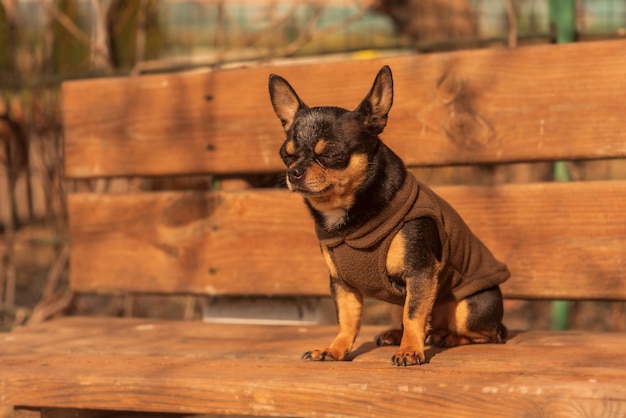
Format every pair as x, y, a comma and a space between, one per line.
408, 357
325, 354
389, 337
441, 338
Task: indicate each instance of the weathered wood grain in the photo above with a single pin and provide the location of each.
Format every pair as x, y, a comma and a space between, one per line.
191, 367
252, 242
497, 105
560, 240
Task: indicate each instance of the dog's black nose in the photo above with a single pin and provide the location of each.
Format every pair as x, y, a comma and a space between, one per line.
295, 173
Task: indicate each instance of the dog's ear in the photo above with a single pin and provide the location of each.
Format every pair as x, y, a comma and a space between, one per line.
284, 99
376, 105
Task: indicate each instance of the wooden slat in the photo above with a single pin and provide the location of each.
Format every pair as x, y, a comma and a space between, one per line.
496, 105
190, 367
559, 239
250, 242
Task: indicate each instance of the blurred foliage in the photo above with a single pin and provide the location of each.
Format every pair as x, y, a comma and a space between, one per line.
8, 42
43, 44
69, 55
125, 19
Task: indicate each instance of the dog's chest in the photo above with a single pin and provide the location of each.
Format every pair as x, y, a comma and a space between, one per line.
365, 270
334, 218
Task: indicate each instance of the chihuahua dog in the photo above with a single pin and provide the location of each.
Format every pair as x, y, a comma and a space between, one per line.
382, 233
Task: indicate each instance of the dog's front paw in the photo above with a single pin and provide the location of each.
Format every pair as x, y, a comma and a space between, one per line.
325, 354
408, 357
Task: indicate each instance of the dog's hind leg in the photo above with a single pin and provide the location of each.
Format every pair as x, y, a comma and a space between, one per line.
392, 336
475, 319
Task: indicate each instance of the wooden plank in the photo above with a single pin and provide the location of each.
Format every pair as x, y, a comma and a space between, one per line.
496, 105
89, 413
213, 243
190, 367
560, 240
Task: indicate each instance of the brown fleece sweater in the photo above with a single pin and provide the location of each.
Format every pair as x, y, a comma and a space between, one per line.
360, 254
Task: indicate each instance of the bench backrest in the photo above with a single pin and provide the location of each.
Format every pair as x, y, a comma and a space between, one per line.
495, 106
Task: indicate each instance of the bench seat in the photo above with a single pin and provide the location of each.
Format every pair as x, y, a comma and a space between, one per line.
195, 367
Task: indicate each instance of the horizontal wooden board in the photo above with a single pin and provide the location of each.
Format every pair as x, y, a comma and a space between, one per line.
560, 240
252, 242
191, 367
495, 105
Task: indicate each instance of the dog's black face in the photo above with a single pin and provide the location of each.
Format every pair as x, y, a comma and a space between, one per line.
329, 151
325, 157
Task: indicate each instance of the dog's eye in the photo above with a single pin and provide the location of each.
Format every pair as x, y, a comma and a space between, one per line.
332, 160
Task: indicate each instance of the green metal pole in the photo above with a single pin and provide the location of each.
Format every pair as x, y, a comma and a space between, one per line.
560, 308
563, 20
563, 23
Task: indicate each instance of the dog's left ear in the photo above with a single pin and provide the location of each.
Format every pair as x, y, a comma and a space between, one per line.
284, 100
376, 105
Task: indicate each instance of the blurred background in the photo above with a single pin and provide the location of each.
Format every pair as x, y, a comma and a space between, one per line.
44, 42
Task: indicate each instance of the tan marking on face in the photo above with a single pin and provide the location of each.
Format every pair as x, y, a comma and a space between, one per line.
395, 255
329, 262
320, 146
336, 187
290, 148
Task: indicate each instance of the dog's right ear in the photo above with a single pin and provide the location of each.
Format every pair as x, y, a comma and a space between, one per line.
376, 105
284, 99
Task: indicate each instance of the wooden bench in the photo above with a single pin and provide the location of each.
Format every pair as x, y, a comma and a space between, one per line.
560, 241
